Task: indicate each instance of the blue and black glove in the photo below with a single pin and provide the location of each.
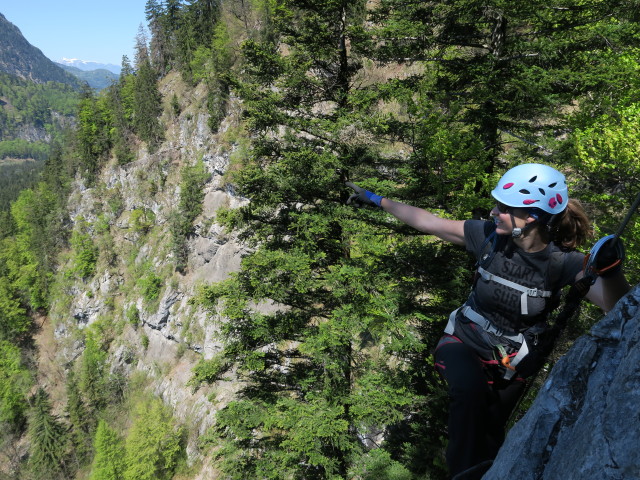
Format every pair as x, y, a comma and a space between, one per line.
363, 197
609, 255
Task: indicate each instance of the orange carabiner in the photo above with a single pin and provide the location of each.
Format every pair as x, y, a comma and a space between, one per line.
506, 362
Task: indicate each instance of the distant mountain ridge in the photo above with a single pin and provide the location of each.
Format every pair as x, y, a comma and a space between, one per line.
18, 57
88, 66
99, 78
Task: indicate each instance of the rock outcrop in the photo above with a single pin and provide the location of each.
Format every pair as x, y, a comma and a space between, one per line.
164, 338
585, 420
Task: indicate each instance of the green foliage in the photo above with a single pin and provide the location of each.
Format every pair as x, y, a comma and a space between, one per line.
175, 105
501, 69
85, 252
47, 435
147, 104
193, 178
95, 121
93, 373
359, 306
153, 445
209, 371
190, 205
141, 220
30, 255
15, 324
120, 98
24, 149
200, 64
605, 158
149, 283
222, 61
15, 177
292, 430
40, 105
179, 31
15, 383
346, 310
133, 315
83, 424
378, 465
109, 459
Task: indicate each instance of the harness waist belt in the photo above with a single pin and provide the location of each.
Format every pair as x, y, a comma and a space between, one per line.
487, 326
526, 291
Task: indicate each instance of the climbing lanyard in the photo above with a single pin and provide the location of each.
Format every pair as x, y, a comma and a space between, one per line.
630, 213
589, 269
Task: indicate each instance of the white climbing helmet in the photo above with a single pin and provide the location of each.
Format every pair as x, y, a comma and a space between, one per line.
533, 185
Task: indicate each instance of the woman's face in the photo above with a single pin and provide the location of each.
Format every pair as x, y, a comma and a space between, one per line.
507, 218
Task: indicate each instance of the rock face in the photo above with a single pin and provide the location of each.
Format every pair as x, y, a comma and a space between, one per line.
585, 421
164, 338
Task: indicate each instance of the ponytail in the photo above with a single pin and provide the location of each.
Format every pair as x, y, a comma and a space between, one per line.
572, 227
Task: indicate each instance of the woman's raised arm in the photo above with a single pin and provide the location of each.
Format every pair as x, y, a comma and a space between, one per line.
424, 221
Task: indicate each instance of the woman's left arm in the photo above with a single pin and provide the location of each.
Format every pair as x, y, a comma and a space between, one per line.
606, 291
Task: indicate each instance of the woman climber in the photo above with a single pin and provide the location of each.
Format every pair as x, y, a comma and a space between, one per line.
525, 256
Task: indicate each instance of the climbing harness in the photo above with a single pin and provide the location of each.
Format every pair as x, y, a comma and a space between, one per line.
506, 360
486, 325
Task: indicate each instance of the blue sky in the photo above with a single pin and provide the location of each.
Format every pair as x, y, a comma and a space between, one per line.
100, 31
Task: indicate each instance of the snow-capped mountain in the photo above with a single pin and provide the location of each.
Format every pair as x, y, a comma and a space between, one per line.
87, 65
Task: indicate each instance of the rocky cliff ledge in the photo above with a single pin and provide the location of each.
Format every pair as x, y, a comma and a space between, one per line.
585, 421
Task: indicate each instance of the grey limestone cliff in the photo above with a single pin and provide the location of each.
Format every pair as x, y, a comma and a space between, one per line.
585, 421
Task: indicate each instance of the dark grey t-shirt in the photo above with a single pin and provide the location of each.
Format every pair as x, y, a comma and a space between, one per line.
500, 303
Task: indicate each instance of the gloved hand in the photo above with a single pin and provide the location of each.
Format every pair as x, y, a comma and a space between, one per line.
609, 257
531, 364
363, 197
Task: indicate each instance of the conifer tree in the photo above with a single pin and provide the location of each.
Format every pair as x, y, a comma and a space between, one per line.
15, 382
338, 361
153, 445
93, 375
14, 321
93, 133
505, 69
454, 80
147, 101
48, 440
159, 45
30, 255
82, 423
109, 459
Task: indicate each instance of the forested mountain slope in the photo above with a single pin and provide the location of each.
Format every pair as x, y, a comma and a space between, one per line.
38, 102
33, 119
186, 293
18, 57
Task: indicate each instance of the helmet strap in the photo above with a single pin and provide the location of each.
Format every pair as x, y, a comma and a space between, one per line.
516, 232
546, 220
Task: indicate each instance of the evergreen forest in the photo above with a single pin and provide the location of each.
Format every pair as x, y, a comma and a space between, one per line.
428, 103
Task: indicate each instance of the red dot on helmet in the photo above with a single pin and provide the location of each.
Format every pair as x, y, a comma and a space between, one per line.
552, 202
507, 185
559, 198
529, 202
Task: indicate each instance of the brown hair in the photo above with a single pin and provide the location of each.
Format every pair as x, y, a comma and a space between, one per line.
572, 227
